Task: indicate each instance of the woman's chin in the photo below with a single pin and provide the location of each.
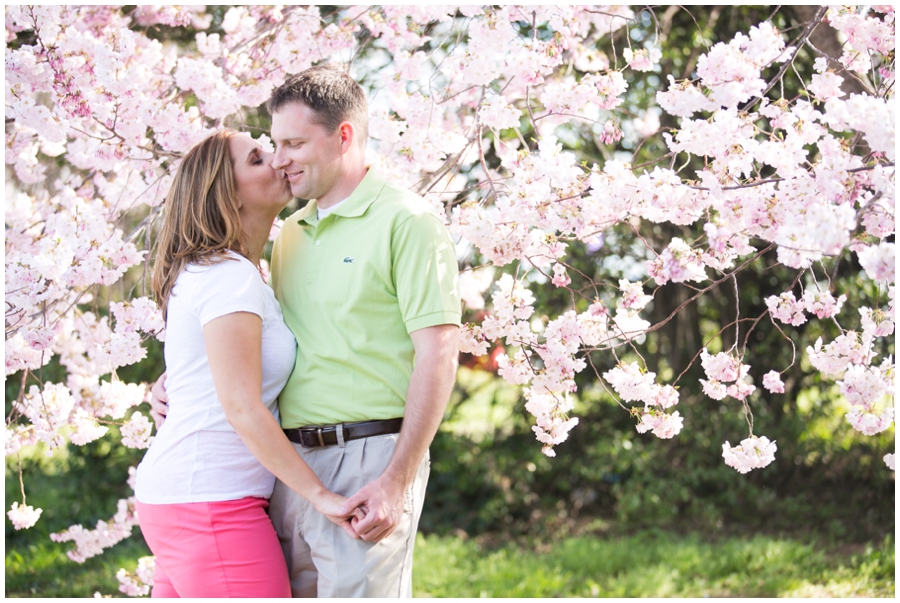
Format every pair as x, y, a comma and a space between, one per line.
286, 200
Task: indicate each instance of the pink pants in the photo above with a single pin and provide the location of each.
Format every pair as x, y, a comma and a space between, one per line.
214, 549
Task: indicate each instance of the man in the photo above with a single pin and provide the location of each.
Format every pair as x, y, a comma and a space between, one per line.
366, 277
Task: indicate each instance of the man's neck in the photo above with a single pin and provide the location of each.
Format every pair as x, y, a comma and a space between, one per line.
344, 188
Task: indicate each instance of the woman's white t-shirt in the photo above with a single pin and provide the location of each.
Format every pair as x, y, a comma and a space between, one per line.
196, 455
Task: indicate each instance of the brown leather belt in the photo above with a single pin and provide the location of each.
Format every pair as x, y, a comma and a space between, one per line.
327, 435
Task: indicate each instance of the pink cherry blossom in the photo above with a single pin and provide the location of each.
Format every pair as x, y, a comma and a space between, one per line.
136, 431
662, 425
90, 543
751, 453
677, 263
137, 584
23, 516
786, 308
822, 303
643, 59
878, 261
772, 382
869, 422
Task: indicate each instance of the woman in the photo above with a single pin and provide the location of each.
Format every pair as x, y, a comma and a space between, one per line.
204, 484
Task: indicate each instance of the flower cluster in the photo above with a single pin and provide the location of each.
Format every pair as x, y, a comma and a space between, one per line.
136, 431
633, 384
723, 369
752, 453
786, 308
678, 263
89, 543
864, 387
137, 584
23, 516
772, 382
789, 310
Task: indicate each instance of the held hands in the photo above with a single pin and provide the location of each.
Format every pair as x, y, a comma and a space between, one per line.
331, 506
383, 501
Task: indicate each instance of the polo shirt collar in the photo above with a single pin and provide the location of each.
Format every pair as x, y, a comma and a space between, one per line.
356, 204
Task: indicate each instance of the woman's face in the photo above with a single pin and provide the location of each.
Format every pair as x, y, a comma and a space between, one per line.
258, 185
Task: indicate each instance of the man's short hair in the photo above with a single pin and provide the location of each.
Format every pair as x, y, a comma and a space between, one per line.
333, 95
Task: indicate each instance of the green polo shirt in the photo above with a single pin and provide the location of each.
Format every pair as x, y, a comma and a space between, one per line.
352, 287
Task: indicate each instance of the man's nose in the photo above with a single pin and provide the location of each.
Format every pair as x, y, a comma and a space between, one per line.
278, 160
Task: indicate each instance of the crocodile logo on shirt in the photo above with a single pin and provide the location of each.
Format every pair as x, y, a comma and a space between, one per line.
348, 260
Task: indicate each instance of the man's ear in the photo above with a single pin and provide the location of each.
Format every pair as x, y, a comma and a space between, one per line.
348, 135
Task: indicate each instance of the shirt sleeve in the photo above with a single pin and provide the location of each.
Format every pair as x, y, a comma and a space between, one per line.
425, 273
228, 286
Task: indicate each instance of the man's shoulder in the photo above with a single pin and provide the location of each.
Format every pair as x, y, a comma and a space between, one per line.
401, 203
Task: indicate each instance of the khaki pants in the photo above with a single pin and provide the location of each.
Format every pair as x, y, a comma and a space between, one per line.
323, 561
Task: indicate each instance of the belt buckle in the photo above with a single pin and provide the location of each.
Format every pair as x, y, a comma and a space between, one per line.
312, 436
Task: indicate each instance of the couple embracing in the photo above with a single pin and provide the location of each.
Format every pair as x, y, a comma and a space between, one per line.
293, 454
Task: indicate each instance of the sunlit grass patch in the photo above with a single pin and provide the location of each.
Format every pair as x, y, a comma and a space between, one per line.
651, 564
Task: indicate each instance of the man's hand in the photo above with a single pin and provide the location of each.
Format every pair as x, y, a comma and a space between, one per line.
159, 401
383, 501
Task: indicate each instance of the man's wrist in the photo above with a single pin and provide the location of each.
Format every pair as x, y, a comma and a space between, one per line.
397, 480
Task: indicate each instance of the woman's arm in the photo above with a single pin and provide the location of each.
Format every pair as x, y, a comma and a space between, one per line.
234, 347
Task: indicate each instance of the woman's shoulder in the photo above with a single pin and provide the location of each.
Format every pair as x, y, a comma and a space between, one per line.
229, 283
228, 272
219, 266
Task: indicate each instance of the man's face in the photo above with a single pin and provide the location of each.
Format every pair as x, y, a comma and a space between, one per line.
306, 151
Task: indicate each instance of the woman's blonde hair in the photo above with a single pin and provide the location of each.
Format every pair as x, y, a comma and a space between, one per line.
201, 214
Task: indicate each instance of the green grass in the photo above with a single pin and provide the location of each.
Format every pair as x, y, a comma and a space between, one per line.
651, 563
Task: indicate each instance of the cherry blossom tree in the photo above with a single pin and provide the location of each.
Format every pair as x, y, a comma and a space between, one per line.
480, 110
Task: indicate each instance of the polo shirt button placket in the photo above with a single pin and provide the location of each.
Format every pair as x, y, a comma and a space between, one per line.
315, 262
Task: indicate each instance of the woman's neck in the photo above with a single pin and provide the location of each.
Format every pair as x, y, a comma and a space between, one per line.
256, 234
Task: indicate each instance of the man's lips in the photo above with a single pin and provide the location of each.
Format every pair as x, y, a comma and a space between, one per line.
293, 177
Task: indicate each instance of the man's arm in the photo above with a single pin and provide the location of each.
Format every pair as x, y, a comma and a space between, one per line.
437, 353
159, 401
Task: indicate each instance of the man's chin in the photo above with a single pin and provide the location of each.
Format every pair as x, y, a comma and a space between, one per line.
299, 193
